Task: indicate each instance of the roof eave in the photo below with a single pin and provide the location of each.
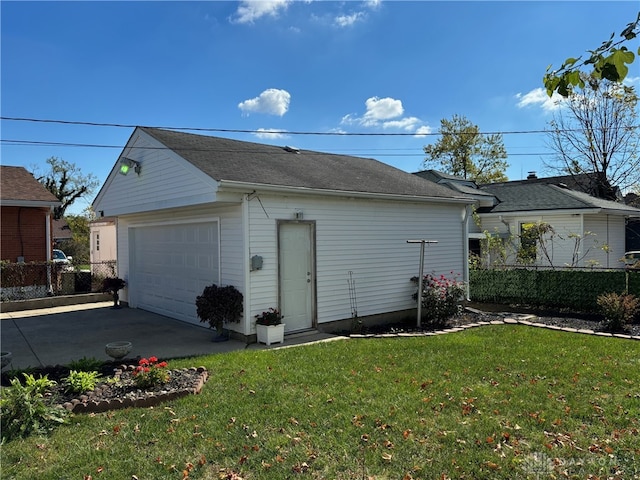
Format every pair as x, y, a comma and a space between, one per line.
29, 203
232, 184
553, 211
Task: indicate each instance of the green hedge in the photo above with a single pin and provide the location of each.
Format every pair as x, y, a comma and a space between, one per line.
567, 289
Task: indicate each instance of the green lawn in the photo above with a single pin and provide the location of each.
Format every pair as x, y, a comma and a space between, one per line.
497, 402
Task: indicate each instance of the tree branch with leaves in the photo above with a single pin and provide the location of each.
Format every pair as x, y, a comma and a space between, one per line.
464, 152
607, 62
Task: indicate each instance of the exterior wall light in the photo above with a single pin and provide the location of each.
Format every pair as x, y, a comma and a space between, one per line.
126, 164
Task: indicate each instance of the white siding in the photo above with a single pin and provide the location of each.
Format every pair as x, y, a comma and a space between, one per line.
231, 241
165, 181
607, 230
102, 242
594, 232
368, 238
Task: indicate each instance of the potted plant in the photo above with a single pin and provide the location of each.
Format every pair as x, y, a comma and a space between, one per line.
219, 305
269, 327
113, 285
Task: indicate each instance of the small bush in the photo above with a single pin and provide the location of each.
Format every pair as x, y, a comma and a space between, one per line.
441, 298
23, 409
86, 364
219, 305
80, 382
150, 373
618, 310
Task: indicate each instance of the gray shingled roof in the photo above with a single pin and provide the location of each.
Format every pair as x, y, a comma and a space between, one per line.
540, 196
234, 160
17, 185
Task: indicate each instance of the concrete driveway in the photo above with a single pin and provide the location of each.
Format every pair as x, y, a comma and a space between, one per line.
58, 335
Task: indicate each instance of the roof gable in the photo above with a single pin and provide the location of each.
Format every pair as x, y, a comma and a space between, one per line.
534, 196
237, 161
19, 187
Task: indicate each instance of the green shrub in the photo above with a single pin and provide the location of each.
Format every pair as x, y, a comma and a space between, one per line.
23, 409
86, 364
574, 289
80, 382
150, 372
618, 310
441, 298
219, 305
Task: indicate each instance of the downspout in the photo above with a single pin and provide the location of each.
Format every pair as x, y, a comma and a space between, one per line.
246, 225
467, 214
48, 243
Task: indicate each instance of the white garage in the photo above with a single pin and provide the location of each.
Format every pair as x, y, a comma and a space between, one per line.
170, 266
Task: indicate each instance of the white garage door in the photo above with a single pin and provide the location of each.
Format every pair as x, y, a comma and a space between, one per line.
171, 265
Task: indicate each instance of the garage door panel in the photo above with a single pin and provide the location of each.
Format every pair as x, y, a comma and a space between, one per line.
171, 265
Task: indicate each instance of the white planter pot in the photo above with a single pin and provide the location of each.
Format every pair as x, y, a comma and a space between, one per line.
269, 334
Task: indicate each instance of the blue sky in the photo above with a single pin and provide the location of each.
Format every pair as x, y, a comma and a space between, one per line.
273, 67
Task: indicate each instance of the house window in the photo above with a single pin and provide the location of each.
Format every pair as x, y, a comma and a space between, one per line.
529, 234
97, 241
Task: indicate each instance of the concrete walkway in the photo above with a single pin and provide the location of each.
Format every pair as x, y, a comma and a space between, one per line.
59, 335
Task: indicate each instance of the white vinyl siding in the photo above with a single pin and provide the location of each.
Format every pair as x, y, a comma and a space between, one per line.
230, 246
368, 238
165, 181
607, 230
594, 232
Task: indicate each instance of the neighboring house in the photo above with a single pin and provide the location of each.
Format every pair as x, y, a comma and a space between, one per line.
26, 212
26, 216
587, 231
633, 225
287, 227
61, 232
103, 246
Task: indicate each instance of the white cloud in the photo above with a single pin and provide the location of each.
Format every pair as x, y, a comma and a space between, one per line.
386, 113
538, 97
344, 21
270, 133
250, 10
408, 123
423, 131
348, 20
381, 109
632, 81
272, 102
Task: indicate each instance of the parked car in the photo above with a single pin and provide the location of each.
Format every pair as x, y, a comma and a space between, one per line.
632, 259
60, 258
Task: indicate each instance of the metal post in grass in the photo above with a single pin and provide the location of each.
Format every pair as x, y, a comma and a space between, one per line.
421, 276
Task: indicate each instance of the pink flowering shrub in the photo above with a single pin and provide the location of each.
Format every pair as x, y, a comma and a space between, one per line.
442, 298
150, 372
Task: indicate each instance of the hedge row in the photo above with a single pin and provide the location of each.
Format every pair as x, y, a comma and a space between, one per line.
566, 289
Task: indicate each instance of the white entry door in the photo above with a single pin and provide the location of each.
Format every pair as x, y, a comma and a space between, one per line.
297, 276
171, 265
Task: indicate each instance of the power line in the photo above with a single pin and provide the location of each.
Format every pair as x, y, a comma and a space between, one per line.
36, 143
288, 132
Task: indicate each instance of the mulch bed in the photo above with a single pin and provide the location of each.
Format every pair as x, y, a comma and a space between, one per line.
117, 390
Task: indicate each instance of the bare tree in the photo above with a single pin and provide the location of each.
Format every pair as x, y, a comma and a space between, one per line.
67, 183
596, 132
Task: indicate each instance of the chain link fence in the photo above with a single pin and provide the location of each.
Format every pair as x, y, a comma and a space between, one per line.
26, 281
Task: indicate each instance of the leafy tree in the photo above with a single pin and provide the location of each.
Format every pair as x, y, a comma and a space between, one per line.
597, 133
609, 62
78, 245
464, 152
67, 183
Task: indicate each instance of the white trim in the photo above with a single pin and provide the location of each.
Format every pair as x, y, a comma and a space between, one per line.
159, 223
340, 193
